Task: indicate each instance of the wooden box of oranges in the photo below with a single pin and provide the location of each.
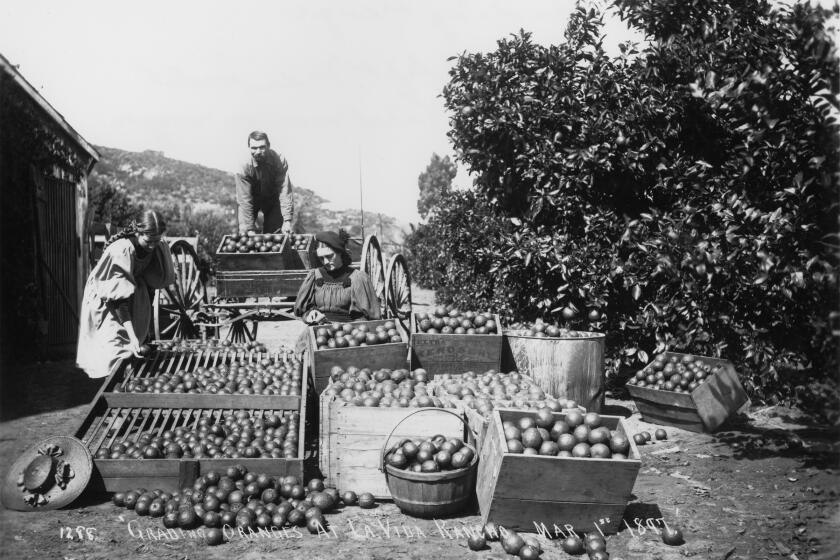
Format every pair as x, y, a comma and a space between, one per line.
353, 431
303, 251
376, 344
695, 393
451, 341
556, 468
257, 251
166, 438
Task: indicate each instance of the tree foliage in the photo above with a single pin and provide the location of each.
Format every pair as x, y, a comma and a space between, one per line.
434, 183
108, 203
687, 189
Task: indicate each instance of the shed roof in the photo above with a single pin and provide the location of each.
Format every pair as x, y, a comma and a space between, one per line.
15, 75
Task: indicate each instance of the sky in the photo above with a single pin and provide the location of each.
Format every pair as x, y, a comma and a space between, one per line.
348, 91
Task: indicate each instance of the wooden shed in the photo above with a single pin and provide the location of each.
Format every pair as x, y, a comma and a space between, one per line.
44, 164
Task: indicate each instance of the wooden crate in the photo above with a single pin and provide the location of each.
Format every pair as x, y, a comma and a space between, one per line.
479, 423
113, 418
351, 440
160, 362
259, 283
306, 257
518, 491
705, 409
392, 355
455, 353
254, 261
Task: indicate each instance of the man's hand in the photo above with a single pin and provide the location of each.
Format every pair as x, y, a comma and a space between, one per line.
313, 317
286, 227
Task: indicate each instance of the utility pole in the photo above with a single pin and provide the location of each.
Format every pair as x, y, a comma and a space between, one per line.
361, 200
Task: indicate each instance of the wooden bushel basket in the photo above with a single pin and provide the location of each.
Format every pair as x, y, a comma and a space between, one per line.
430, 495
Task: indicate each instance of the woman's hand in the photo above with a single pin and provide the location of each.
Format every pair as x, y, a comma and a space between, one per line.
133, 342
313, 317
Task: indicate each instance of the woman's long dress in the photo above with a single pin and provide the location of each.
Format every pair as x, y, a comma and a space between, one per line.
123, 272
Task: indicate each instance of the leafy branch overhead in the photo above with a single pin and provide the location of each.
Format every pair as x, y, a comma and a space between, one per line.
687, 189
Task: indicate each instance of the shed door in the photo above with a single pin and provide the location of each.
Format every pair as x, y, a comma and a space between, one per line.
57, 225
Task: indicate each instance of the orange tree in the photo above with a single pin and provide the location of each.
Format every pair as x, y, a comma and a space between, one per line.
687, 191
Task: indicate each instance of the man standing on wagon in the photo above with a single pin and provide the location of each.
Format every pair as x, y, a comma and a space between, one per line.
263, 184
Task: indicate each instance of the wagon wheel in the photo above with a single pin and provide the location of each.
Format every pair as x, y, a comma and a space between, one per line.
177, 306
239, 330
371, 264
398, 289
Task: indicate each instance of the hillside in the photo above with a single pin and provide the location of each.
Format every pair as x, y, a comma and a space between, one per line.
149, 178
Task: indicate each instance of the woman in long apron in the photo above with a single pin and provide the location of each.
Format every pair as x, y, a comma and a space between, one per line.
116, 309
334, 291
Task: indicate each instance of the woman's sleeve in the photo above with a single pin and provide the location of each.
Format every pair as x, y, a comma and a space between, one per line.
117, 281
363, 300
306, 295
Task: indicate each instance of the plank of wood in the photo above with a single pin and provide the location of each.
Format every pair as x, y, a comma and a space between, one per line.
668, 398
670, 416
380, 421
719, 398
124, 484
283, 283
123, 468
302, 407
325, 439
201, 400
364, 480
527, 515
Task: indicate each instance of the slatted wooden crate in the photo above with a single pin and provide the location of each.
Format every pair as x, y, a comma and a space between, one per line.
518, 491
705, 409
391, 355
278, 260
118, 417
352, 437
161, 362
455, 353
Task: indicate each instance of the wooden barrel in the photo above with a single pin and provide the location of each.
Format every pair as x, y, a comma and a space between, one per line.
432, 494
565, 367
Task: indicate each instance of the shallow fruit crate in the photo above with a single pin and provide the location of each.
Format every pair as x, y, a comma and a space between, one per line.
520, 491
704, 409
169, 362
274, 260
123, 417
455, 353
351, 440
391, 355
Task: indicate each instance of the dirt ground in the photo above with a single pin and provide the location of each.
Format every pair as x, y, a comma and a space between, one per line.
764, 488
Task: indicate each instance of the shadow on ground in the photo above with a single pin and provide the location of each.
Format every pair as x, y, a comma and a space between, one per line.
36, 388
